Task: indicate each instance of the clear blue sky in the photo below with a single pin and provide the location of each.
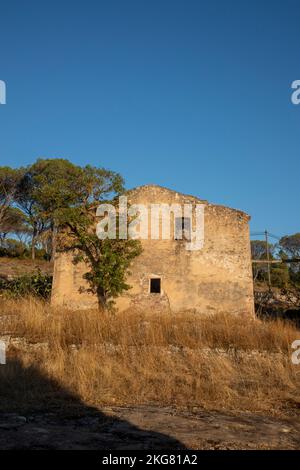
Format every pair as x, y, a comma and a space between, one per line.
192, 95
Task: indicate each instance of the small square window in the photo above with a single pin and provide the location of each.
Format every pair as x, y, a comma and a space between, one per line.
155, 285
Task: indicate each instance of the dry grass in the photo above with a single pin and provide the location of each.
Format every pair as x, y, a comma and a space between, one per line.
18, 267
220, 362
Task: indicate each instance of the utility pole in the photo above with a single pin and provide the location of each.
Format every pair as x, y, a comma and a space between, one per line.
268, 258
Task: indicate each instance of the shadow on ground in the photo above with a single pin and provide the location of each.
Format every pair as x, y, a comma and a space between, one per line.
38, 413
270, 313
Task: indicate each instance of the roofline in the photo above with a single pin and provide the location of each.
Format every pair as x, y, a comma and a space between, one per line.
203, 201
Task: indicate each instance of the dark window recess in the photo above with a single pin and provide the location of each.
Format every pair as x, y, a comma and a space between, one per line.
155, 286
182, 228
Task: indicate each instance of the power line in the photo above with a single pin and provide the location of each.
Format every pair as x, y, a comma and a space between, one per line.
263, 234
268, 261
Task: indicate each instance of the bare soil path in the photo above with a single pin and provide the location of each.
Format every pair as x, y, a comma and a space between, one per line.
145, 427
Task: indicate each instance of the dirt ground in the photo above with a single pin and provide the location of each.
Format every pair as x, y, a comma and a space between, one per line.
147, 428
12, 267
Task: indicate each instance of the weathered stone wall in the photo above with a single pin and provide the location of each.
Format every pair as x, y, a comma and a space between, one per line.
216, 278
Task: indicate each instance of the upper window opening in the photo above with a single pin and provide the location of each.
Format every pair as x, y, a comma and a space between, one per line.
182, 228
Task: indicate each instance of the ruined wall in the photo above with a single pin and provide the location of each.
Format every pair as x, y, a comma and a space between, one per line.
216, 278
69, 287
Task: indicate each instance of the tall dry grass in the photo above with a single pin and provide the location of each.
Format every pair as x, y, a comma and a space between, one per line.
188, 360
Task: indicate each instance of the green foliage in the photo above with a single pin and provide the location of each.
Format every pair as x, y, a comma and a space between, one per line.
9, 183
295, 277
108, 260
280, 276
37, 285
258, 249
291, 245
284, 274
13, 248
290, 249
13, 221
259, 252
54, 197
52, 186
47, 186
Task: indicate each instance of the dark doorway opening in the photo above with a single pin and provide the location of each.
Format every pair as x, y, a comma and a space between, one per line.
155, 286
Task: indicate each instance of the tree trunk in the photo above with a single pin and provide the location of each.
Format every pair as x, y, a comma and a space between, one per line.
3, 210
33, 241
53, 242
101, 300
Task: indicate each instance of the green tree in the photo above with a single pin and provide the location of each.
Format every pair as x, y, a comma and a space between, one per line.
26, 201
59, 201
258, 249
290, 244
9, 183
13, 248
259, 252
280, 276
279, 272
108, 260
48, 186
14, 222
290, 248
55, 186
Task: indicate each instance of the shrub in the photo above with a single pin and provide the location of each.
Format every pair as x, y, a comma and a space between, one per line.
14, 249
36, 284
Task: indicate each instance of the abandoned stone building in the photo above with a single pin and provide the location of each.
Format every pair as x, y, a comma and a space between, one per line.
167, 276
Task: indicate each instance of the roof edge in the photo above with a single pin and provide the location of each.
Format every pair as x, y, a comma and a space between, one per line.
203, 201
